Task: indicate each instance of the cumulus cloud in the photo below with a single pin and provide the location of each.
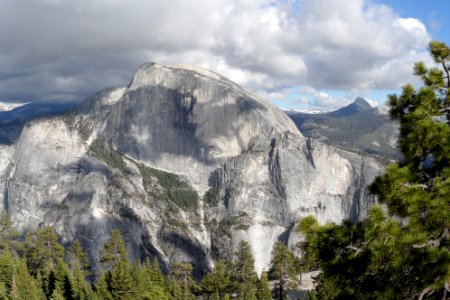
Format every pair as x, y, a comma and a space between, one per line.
324, 100
308, 90
69, 49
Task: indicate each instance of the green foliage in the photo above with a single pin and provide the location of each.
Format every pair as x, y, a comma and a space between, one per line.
244, 275
156, 275
114, 250
101, 287
264, 292
6, 269
169, 187
54, 278
42, 249
121, 283
173, 221
217, 284
284, 269
232, 222
57, 295
403, 253
110, 156
184, 285
211, 197
78, 259
25, 286
8, 235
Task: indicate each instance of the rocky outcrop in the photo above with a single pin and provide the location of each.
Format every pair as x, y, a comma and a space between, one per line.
186, 163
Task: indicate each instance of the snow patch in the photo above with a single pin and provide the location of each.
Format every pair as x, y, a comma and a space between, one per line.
6, 106
312, 111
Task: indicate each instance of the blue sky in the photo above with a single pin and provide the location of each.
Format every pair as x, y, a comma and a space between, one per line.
435, 16
297, 53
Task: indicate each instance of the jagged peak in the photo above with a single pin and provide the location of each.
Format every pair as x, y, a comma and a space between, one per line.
362, 103
358, 105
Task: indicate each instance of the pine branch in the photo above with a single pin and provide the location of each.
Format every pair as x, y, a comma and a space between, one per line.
446, 111
447, 72
357, 250
423, 186
425, 291
437, 242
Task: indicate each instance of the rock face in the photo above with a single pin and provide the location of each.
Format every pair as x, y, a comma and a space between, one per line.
183, 119
186, 163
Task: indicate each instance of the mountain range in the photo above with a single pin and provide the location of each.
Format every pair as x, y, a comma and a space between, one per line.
357, 127
184, 162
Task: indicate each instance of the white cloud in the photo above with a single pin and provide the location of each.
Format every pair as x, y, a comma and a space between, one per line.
308, 90
326, 101
76, 47
372, 103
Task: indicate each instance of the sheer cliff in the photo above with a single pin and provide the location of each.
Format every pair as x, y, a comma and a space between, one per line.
186, 163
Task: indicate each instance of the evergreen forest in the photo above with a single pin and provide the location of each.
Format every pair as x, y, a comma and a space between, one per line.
37, 266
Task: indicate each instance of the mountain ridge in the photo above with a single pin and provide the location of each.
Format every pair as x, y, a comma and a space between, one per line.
236, 168
357, 127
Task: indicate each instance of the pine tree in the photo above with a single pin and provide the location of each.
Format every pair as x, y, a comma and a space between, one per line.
80, 288
114, 249
7, 269
157, 293
215, 295
284, 269
217, 283
63, 279
57, 295
244, 275
8, 234
42, 249
404, 253
138, 274
184, 282
222, 277
208, 285
121, 282
263, 292
173, 288
78, 259
26, 286
156, 275
114, 256
102, 289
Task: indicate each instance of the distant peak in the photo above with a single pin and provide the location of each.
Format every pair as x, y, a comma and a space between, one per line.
362, 103
359, 105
